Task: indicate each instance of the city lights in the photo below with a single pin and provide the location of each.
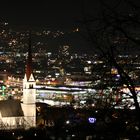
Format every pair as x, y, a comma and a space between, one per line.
91, 120
70, 70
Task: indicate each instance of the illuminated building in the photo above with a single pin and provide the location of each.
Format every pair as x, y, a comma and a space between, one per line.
15, 115
29, 93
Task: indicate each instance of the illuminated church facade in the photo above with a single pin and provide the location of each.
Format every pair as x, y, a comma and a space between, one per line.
29, 93
15, 114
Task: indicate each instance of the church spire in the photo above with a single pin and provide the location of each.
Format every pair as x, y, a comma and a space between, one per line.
29, 59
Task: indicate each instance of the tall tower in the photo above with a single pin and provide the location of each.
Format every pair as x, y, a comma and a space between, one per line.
29, 91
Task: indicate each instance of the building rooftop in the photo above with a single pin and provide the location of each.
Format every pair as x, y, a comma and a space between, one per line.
10, 108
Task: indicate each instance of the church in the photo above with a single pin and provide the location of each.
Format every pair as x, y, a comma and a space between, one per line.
15, 114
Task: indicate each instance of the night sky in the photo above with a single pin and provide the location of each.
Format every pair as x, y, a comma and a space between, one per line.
54, 13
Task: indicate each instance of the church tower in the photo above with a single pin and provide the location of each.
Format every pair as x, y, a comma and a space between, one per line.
29, 91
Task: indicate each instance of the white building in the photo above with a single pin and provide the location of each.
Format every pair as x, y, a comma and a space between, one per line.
13, 113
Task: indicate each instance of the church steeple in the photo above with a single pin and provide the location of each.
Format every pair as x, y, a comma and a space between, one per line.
29, 90
29, 60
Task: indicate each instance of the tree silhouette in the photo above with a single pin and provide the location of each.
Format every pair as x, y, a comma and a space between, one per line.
115, 30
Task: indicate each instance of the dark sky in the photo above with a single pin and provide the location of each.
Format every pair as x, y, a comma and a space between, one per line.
55, 13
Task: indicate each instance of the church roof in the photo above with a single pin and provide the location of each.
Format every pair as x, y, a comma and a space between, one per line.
29, 61
11, 108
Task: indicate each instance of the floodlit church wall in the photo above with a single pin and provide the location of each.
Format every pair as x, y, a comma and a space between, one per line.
29, 113
29, 97
11, 122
